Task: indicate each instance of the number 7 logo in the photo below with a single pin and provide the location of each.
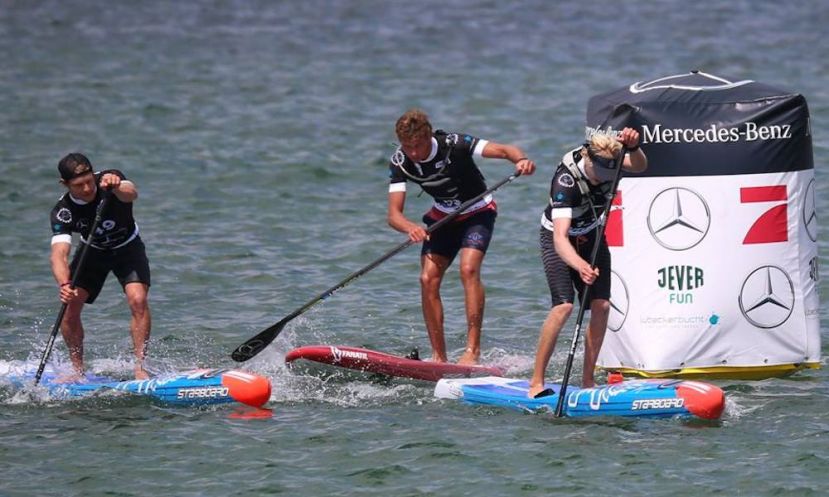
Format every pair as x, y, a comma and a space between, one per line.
773, 225
615, 230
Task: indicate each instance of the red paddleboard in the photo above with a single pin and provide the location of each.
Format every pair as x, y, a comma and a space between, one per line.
372, 361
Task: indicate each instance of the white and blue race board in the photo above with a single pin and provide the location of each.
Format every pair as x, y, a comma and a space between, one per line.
641, 398
190, 388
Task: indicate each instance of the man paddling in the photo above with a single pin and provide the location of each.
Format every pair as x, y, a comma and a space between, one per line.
115, 246
443, 165
578, 193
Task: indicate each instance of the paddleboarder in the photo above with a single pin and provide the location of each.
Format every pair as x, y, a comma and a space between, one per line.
578, 192
115, 247
442, 164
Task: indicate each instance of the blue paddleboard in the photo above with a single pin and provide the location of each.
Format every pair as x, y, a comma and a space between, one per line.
641, 398
188, 388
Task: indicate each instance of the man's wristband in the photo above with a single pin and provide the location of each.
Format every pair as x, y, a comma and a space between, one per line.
521, 158
65, 283
632, 149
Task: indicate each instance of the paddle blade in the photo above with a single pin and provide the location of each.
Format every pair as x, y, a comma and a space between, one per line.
258, 343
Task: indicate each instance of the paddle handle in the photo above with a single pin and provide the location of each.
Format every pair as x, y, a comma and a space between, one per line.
50, 343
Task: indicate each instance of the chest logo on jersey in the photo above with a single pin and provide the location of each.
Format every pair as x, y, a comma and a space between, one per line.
566, 180
64, 215
398, 158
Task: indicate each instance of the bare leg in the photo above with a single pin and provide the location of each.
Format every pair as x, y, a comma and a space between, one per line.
139, 325
433, 268
556, 318
72, 330
599, 312
474, 299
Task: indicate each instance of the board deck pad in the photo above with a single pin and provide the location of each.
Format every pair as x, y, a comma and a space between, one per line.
371, 361
636, 398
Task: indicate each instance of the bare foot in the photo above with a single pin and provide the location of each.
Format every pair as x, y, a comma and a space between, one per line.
534, 390
469, 358
73, 377
141, 373
437, 358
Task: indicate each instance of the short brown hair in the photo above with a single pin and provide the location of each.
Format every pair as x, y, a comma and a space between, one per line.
414, 123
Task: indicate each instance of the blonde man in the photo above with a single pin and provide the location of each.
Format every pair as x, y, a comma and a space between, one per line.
442, 164
578, 194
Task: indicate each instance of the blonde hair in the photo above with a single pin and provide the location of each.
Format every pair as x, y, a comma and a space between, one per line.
414, 123
603, 145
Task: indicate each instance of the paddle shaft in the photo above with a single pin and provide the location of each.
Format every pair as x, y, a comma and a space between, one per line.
81, 259
586, 293
256, 344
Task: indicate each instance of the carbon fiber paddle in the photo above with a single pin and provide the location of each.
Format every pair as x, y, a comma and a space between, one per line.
258, 343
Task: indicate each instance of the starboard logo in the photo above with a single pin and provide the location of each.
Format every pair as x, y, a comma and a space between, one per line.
203, 393
749, 131
644, 404
680, 280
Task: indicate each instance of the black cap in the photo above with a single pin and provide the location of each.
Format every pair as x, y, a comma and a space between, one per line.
603, 168
74, 165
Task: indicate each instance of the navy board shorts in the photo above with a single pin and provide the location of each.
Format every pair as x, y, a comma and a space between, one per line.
129, 263
474, 232
563, 280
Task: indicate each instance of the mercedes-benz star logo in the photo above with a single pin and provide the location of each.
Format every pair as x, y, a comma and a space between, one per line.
767, 297
809, 211
678, 218
619, 302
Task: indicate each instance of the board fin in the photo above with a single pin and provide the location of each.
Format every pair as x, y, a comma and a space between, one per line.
544, 393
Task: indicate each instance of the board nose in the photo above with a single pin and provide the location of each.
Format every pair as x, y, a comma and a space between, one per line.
702, 399
247, 388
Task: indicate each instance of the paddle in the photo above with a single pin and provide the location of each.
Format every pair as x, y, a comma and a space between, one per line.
256, 344
105, 195
584, 296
